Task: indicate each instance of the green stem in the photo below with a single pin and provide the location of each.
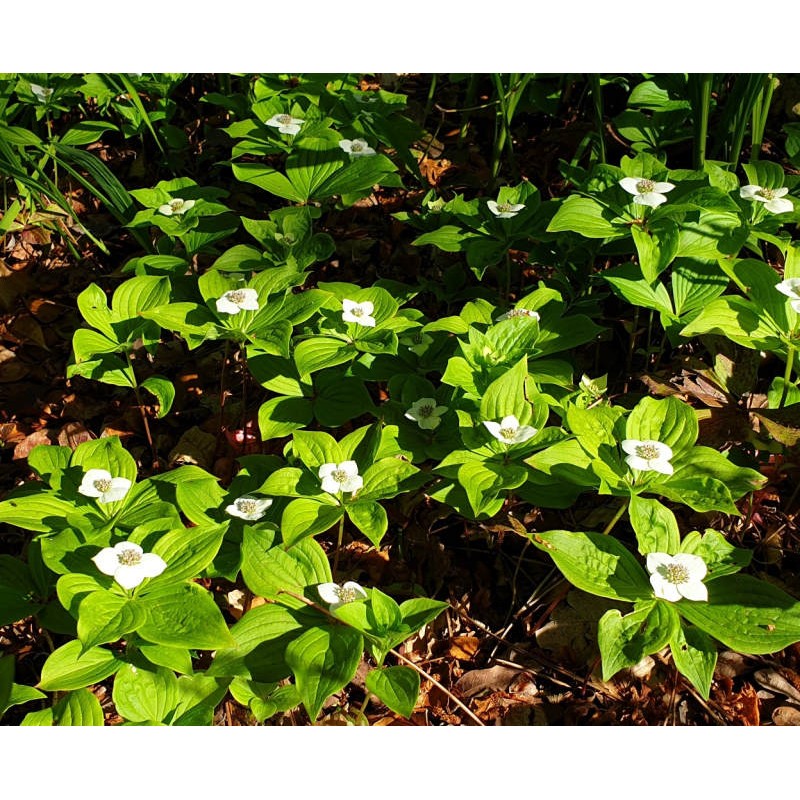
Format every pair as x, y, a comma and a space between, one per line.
759, 119
616, 518
787, 374
703, 103
597, 98
143, 413
338, 545
429, 99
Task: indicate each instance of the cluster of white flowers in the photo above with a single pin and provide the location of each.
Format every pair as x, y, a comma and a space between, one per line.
646, 192
648, 455
360, 313
285, 123
426, 413
509, 431
237, 300
341, 477
176, 207
128, 564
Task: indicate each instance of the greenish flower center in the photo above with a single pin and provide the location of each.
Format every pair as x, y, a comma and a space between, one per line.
176, 205
520, 312
346, 595
356, 147
129, 558
339, 475
645, 186
357, 311
247, 505
647, 451
767, 194
102, 485
675, 573
425, 410
508, 433
236, 296
504, 208
285, 119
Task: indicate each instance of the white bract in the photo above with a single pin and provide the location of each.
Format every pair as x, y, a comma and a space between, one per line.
342, 477
41, 93
504, 210
176, 207
99, 483
249, 507
681, 575
426, 413
128, 564
771, 198
338, 596
509, 431
646, 192
356, 147
237, 300
285, 123
360, 313
648, 455
519, 312
791, 288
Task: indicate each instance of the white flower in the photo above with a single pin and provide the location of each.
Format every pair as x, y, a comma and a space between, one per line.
237, 300
129, 564
509, 431
771, 198
426, 413
342, 477
681, 575
504, 210
285, 123
791, 288
647, 192
648, 455
519, 312
360, 313
41, 93
339, 596
176, 207
356, 147
99, 483
249, 507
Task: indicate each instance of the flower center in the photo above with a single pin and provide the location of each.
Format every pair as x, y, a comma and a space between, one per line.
675, 573
285, 119
357, 311
645, 185
339, 475
236, 296
647, 451
508, 433
129, 558
346, 595
247, 505
426, 410
521, 312
176, 205
503, 207
356, 147
102, 485
767, 194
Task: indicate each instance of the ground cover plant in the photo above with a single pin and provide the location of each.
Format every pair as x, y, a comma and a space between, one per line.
399, 399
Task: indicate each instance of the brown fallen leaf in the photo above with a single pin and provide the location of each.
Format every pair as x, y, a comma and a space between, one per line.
492, 679
464, 647
194, 447
786, 715
73, 434
36, 438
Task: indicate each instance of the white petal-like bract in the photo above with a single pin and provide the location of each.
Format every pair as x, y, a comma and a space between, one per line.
128, 564
674, 577
360, 313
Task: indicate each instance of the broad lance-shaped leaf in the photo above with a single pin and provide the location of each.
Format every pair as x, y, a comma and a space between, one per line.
142, 695
305, 517
396, 687
746, 614
597, 564
163, 391
69, 667
104, 616
655, 526
625, 640
695, 656
324, 660
78, 708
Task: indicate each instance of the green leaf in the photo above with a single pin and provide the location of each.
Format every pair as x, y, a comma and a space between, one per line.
387, 478
628, 283
42, 512
78, 708
596, 563
587, 217
695, 657
105, 617
420, 611
720, 557
370, 518
184, 616
656, 247
655, 526
6, 681
267, 570
106, 453
268, 179
625, 641
142, 695
746, 614
314, 354
280, 416
315, 448
669, 421
70, 667
305, 517
178, 659
506, 395
738, 320
164, 392
395, 687
187, 552
324, 660
50, 462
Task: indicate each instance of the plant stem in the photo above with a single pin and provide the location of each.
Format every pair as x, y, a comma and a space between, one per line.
597, 98
787, 375
143, 413
702, 105
438, 685
616, 518
338, 546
